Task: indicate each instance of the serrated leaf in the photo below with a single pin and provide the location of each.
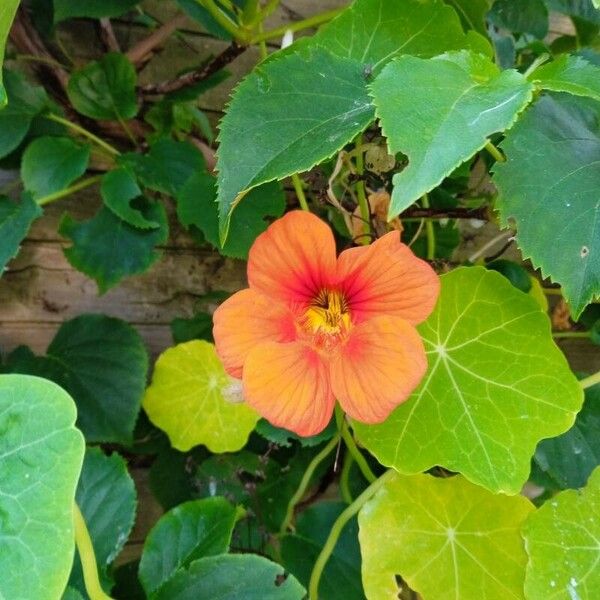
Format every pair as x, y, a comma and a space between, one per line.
186, 400
521, 16
571, 74
570, 458
41, 454
446, 537
550, 187
583, 9
118, 189
167, 166
67, 9
472, 13
232, 577
105, 89
375, 31
8, 10
440, 112
15, 220
108, 249
196, 205
190, 531
25, 101
51, 163
341, 578
107, 498
496, 385
561, 539
283, 437
102, 363
287, 125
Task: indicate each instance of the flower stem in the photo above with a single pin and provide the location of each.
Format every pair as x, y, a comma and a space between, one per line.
356, 454
84, 183
336, 530
221, 18
590, 381
344, 478
88, 558
495, 152
301, 491
297, 26
430, 231
84, 132
571, 334
300, 192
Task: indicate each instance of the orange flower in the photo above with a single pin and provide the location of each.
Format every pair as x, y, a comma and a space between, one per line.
312, 328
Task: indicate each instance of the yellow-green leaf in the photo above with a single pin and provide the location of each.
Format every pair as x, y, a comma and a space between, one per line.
186, 400
447, 538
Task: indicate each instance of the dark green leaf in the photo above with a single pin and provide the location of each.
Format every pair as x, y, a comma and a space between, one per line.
51, 163
15, 220
375, 31
232, 577
287, 125
7, 14
127, 585
102, 363
119, 187
108, 249
197, 12
25, 101
283, 437
67, 9
198, 327
570, 458
549, 186
571, 74
167, 166
472, 13
190, 531
341, 579
440, 112
72, 594
107, 498
513, 271
583, 9
105, 89
196, 205
521, 16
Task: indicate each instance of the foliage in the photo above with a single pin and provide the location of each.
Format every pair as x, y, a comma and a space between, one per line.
459, 138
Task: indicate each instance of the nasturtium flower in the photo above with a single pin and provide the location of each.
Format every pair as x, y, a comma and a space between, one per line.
312, 328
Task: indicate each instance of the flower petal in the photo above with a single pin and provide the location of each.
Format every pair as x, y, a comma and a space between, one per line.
288, 384
386, 278
379, 366
293, 259
245, 320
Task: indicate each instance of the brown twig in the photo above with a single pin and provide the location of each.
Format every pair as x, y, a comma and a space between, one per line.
216, 64
453, 213
142, 51
107, 33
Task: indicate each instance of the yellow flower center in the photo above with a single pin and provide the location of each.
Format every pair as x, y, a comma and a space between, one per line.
327, 314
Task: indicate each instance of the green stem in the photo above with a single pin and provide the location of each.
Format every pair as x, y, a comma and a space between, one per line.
590, 381
300, 192
344, 478
538, 62
221, 18
361, 461
88, 558
571, 334
336, 530
363, 204
495, 152
80, 185
297, 26
301, 491
430, 231
84, 132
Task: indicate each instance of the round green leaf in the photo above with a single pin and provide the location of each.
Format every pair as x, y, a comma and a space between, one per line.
190, 531
51, 163
563, 543
496, 385
105, 89
550, 186
232, 577
467, 98
446, 537
41, 454
186, 400
107, 498
8, 10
